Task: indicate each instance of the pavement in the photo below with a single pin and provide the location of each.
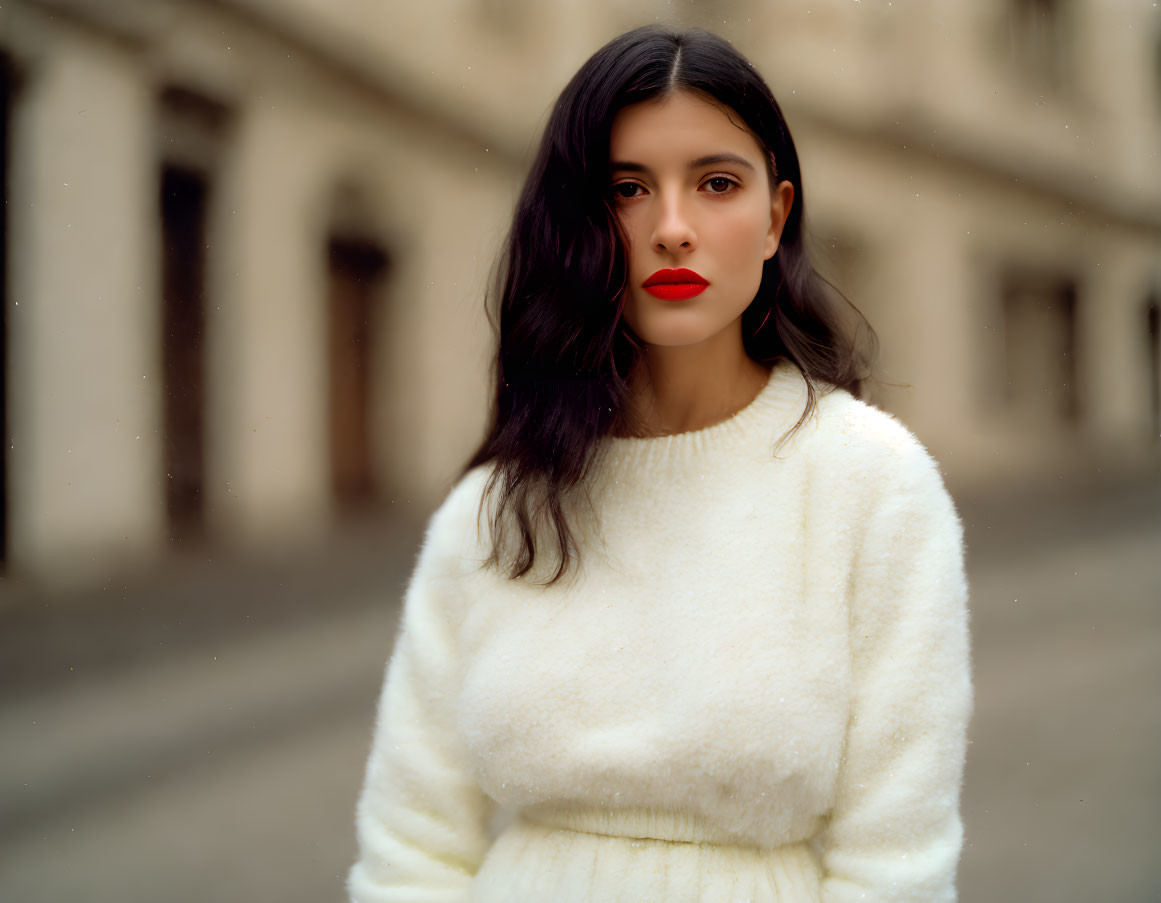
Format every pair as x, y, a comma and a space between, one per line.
200, 734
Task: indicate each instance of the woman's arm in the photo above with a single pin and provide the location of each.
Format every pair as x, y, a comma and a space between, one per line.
421, 819
895, 832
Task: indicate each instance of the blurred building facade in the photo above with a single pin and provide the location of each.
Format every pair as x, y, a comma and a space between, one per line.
246, 241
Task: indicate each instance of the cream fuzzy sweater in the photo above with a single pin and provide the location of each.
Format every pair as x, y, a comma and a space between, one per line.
756, 687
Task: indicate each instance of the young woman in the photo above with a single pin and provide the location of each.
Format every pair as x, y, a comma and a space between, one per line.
693, 621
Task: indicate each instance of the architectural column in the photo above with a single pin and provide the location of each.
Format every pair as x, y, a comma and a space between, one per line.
946, 325
268, 471
85, 486
926, 287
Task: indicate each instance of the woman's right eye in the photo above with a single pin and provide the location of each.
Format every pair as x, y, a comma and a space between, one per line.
625, 190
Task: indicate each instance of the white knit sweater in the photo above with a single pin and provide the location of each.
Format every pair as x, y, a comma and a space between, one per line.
756, 687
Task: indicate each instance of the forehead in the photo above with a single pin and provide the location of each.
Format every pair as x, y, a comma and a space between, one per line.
682, 125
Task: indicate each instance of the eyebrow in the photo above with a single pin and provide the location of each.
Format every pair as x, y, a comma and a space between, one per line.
628, 166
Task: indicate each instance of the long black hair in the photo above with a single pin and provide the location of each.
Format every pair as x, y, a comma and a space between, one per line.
565, 354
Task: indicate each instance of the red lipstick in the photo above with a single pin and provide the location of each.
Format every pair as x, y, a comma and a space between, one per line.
675, 285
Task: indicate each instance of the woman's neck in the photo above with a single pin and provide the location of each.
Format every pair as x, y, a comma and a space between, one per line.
677, 389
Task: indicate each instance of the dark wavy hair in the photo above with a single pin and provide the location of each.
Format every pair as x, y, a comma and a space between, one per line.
565, 354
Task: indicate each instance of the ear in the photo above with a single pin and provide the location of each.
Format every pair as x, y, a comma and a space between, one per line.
781, 202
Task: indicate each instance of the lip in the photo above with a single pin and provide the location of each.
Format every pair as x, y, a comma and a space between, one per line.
675, 285
675, 277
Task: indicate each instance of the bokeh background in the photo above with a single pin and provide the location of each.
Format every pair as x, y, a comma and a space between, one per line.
244, 353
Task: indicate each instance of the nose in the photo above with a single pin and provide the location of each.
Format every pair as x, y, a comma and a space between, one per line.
673, 229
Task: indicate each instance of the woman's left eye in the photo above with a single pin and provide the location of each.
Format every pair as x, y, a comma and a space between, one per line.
625, 190
719, 184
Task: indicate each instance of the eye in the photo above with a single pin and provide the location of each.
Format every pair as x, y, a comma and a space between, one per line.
719, 185
626, 190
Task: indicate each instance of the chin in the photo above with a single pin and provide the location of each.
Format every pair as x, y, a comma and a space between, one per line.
673, 336
674, 329
675, 340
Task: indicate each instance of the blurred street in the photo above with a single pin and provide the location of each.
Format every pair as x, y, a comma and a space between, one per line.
224, 766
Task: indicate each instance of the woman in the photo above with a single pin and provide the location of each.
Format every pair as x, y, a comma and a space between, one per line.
694, 617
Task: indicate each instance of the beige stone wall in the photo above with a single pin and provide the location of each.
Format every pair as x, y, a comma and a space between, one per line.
946, 150
82, 370
85, 474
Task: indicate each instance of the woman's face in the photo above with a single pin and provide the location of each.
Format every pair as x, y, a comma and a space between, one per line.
693, 195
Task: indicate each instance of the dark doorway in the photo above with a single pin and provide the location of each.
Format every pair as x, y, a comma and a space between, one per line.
1040, 340
192, 133
184, 196
356, 269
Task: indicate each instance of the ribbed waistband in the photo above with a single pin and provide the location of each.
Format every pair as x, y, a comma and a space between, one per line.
555, 854
637, 824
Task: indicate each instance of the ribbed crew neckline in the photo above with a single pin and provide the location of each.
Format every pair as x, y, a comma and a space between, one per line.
764, 418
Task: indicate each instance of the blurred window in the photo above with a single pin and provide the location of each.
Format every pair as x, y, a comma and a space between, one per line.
191, 137
1037, 41
1039, 348
356, 271
843, 260
508, 18
184, 196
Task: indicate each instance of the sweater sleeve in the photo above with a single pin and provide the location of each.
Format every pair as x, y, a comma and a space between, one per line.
421, 819
895, 831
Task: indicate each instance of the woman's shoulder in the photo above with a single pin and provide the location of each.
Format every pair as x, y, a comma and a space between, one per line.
454, 528
867, 441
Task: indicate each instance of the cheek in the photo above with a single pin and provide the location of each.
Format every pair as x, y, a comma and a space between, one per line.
746, 235
629, 308
633, 241
742, 244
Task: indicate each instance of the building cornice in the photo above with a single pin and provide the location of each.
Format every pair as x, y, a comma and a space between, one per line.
914, 133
